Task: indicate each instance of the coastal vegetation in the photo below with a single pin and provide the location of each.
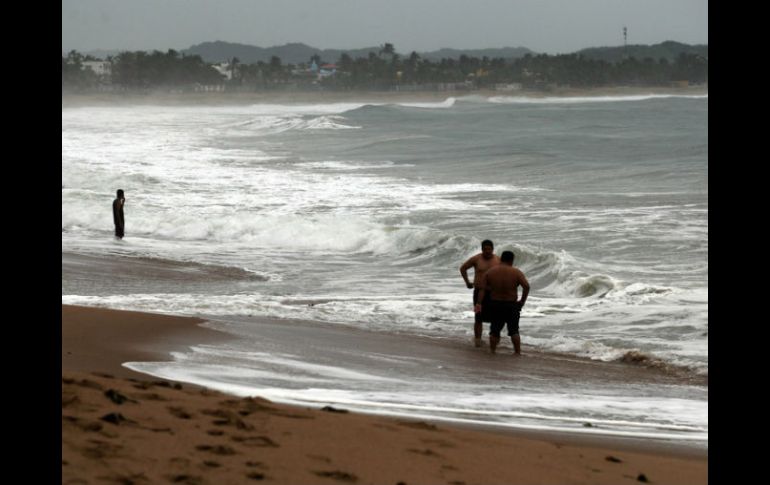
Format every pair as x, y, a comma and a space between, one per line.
384, 69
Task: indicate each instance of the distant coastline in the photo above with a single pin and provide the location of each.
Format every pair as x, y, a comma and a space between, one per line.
669, 65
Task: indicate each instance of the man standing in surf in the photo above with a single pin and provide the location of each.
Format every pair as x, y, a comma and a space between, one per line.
504, 307
481, 263
117, 214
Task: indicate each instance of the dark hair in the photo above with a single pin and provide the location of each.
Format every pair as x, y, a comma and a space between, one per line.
507, 257
486, 242
120, 192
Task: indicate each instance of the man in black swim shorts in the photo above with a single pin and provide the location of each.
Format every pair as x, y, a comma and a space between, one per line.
502, 282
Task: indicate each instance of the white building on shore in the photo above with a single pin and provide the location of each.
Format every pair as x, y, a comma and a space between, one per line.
103, 69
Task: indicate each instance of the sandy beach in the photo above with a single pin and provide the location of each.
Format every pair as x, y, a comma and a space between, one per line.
119, 426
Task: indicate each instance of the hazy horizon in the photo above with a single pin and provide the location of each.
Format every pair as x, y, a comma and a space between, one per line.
544, 26
99, 50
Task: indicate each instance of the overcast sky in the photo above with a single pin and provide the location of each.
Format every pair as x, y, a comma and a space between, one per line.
545, 26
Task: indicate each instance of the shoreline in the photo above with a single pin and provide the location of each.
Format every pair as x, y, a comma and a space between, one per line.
89, 344
174, 427
73, 100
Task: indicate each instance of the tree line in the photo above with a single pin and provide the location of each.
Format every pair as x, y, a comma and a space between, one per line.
383, 70
139, 70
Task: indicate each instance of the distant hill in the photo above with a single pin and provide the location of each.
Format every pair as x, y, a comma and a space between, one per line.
293, 53
296, 53
504, 52
669, 50
99, 53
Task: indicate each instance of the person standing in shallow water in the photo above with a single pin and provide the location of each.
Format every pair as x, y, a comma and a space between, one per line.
504, 307
117, 214
481, 263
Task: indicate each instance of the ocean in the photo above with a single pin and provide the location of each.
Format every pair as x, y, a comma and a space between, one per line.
357, 216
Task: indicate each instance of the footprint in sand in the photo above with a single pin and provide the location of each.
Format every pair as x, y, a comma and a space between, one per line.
228, 418
179, 412
117, 397
217, 450
101, 449
150, 396
116, 418
135, 478
186, 479
85, 425
337, 475
425, 452
83, 383
261, 441
69, 399
175, 385
249, 404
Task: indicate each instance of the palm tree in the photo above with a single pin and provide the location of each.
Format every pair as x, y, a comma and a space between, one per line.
345, 61
233, 68
388, 49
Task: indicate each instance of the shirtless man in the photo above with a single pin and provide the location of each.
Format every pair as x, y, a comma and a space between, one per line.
480, 263
504, 306
117, 214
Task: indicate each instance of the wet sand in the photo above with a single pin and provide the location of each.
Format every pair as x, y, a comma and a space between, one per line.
118, 425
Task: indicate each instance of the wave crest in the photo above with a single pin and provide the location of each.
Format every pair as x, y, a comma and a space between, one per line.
587, 99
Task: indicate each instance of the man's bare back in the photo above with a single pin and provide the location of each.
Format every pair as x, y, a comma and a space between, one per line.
503, 281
